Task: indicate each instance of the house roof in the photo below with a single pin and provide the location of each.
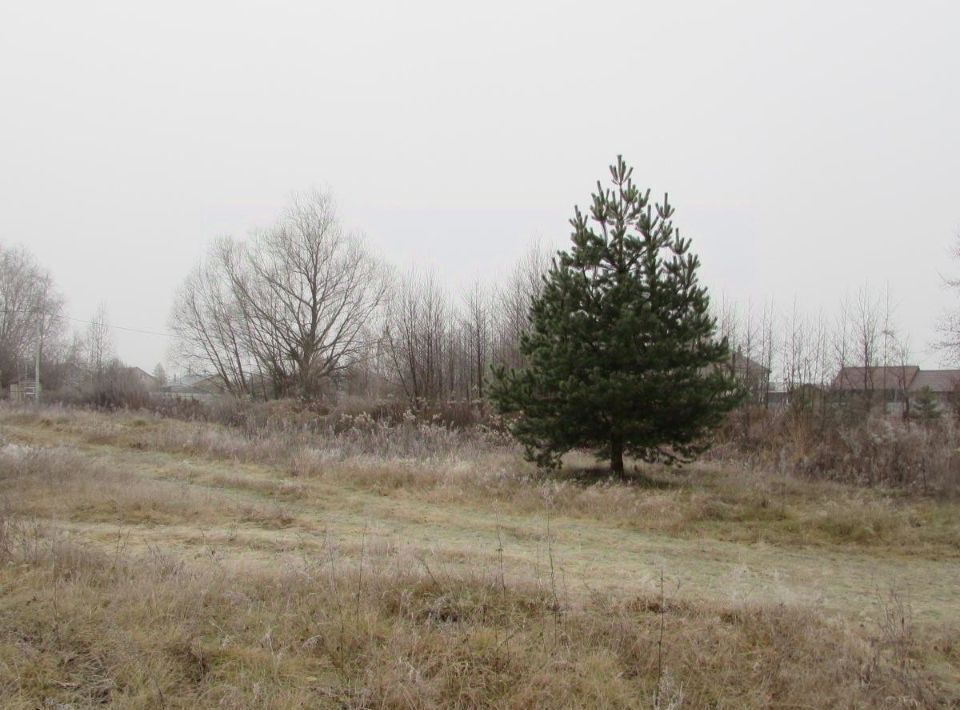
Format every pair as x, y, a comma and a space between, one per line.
191, 378
140, 372
744, 363
195, 383
936, 380
888, 377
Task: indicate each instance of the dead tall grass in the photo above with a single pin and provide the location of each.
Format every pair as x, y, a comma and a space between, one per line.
724, 500
845, 443
83, 627
62, 484
354, 620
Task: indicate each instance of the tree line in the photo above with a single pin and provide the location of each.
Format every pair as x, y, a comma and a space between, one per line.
39, 342
304, 309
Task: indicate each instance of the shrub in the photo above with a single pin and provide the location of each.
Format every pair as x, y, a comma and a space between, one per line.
873, 450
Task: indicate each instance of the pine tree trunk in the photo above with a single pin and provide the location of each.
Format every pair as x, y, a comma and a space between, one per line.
616, 456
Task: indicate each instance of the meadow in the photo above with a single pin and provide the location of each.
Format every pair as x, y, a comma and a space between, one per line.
151, 561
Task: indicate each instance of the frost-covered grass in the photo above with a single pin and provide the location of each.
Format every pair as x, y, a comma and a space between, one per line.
152, 562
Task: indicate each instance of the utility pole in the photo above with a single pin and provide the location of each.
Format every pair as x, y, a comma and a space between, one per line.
36, 370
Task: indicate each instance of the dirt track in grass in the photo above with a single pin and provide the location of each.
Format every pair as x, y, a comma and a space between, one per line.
255, 514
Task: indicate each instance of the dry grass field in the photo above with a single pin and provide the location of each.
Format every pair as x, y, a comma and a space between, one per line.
153, 562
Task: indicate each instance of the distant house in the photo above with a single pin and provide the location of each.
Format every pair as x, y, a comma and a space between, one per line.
752, 375
745, 366
748, 373
143, 378
944, 384
193, 386
888, 385
897, 385
891, 380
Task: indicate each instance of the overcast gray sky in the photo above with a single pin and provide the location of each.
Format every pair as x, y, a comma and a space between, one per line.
808, 147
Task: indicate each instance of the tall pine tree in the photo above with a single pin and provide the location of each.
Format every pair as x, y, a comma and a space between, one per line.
622, 352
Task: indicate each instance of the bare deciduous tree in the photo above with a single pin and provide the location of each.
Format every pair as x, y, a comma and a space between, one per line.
513, 302
948, 326
866, 333
99, 342
207, 319
297, 303
315, 288
30, 312
416, 338
476, 325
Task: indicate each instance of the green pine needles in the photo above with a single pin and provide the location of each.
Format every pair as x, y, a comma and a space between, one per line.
926, 408
622, 354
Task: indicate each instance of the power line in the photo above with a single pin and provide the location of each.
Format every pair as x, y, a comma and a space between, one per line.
90, 322
120, 327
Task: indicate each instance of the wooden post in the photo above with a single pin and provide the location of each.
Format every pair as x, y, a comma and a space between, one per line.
36, 369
